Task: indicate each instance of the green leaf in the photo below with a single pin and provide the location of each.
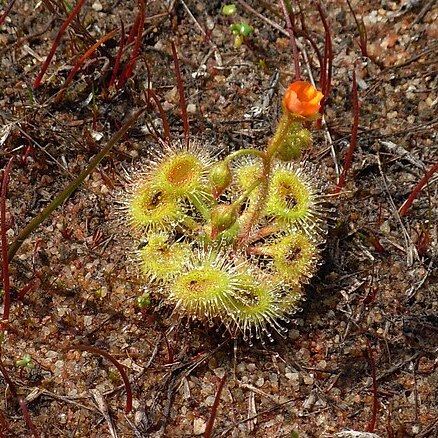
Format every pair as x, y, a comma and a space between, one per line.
229, 9
242, 29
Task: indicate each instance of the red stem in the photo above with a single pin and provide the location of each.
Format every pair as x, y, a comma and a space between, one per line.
363, 37
326, 66
404, 208
119, 367
372, 424
210, 424
182, 98
6, 13
306, 34
28, 287
127, 72
27, 418
5, 258
78, 65
292, 41
328, 55
134, 30
21, 400
166, 126
70, 18
118, 57
353, 140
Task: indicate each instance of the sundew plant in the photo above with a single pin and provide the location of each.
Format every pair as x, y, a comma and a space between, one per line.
233, 241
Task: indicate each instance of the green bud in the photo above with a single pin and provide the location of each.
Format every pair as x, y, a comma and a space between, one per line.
238, 41
25, 362
220, 177
143, 301
293, 145
223, 217
229, 9
241, 29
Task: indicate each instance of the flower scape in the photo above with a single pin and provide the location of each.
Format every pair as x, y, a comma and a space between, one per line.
232, 241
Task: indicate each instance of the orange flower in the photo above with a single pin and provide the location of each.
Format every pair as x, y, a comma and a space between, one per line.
302, 98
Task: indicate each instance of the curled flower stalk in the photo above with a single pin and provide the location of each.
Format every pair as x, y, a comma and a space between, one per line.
232, 241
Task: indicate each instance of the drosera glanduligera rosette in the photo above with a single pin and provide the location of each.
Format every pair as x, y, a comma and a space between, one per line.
232, 242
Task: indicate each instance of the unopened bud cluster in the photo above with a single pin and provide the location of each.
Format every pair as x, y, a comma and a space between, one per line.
233, 241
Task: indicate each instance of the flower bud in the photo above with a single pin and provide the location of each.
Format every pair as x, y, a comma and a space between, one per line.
222, 217
220, 177
293, 145
143, 301
241, 29
229, 9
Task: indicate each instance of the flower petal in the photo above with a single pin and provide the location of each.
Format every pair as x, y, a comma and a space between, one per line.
302, 98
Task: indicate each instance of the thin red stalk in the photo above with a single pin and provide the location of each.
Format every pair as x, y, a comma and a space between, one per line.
166, 127
182, 98
27, 418
149, 73
292, 41
153, 131
119, 367
4, 426
5, 258
84, 57
210, 424
118, 57
363, 37
6, 13
326, 68
323, 71
150, 126
372, 424
137, 44
306, 34
376, 244
127, 72
134, 30
70, 18
353, 140
423, 181
21, 400
170, 351
26, 289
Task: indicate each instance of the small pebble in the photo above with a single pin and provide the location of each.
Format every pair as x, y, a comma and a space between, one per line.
199, 426
308, 380
251, 367
97, 6
219, 372
260, 382
294, 334
209, 401
191, 108
293, 376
